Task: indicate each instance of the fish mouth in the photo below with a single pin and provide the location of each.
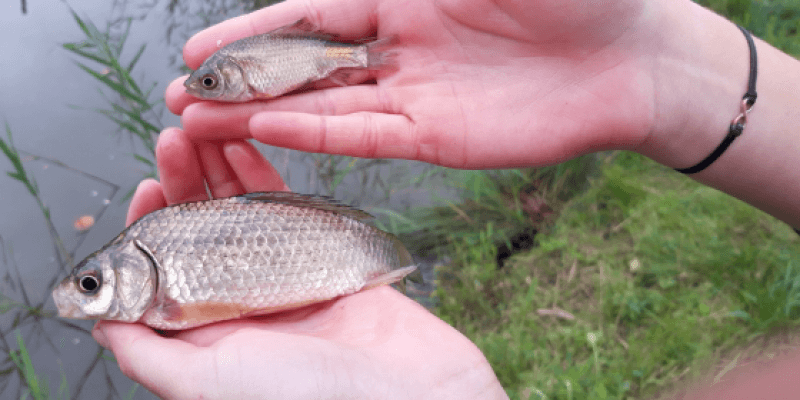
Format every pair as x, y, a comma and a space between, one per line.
189, 84
191, 87
66, 308
194, 89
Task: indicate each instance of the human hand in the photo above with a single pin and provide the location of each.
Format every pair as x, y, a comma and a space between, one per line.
372, 344
478, 83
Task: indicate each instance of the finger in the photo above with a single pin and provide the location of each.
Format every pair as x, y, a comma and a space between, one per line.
221, 180
253, 172
179, 168
176, 97
148, 197
162, 365
368, 135
207, 120
350, 19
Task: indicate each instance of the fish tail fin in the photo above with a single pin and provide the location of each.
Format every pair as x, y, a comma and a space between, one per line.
379, 53
404, 257
398, 276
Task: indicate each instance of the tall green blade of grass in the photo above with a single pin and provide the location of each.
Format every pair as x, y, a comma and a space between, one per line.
131, 109
36, 385
19, 172
28, 309
21, 175
132, 391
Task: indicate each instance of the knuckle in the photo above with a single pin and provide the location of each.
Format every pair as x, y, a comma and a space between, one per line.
385, 101
323, 134
325, 104
369, 136
417, 147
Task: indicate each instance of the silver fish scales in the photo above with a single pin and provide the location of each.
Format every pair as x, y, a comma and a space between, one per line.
277, 62
197, 263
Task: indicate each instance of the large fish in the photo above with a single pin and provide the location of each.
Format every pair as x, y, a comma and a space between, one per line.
277, 62
196, 263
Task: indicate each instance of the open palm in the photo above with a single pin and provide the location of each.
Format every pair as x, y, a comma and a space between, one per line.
477, 83
373, 344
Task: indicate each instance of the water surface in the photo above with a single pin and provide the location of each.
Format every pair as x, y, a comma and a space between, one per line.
41, 81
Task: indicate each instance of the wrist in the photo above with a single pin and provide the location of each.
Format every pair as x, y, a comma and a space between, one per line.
699, 77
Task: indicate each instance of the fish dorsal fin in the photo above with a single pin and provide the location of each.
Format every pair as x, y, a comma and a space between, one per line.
301, 27
309, 201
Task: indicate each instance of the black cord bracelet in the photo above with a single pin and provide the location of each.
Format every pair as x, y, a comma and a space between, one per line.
737, 125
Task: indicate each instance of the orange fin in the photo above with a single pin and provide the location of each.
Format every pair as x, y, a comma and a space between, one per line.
207, 312
389, 277
204, 312
285, 307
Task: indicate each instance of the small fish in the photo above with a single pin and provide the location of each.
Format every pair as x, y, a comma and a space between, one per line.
196, 263
277, 62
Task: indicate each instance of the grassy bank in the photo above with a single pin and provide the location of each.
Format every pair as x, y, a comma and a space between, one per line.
643, 280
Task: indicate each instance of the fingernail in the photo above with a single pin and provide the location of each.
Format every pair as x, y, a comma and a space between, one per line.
100, 336
232, 148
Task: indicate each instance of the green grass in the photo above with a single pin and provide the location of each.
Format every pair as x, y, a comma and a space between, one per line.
653, 275
130, 107
35, 386
506, 202
775, 21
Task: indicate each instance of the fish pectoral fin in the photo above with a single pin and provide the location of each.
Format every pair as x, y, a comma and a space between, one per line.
341, 77
389, 277
285, 307
205, 311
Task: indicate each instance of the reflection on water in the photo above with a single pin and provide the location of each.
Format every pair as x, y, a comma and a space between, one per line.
82, 166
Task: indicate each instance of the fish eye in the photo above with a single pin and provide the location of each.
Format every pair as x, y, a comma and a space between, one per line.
208, 81
88, 284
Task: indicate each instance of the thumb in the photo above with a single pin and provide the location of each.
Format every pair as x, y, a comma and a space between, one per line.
165, 366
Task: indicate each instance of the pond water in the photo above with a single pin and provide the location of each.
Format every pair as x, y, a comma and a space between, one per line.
41, 82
